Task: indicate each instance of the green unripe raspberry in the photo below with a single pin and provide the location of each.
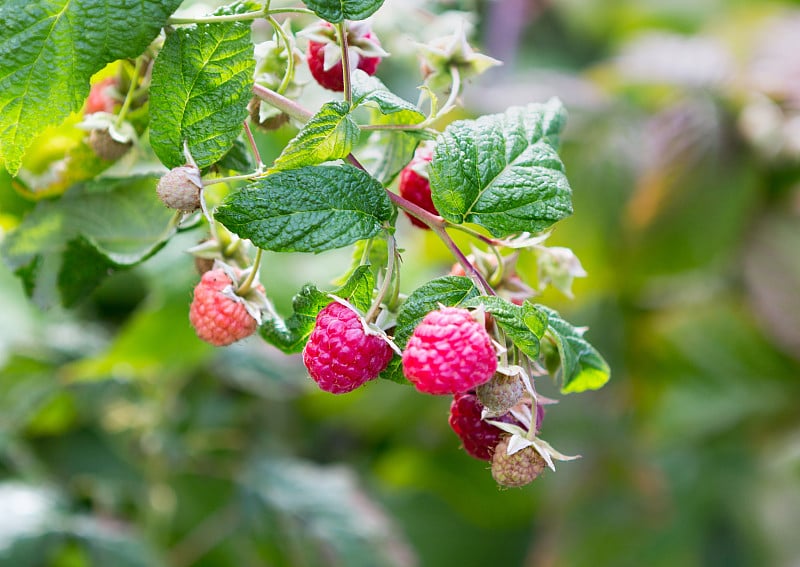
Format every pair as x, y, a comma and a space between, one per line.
501, 393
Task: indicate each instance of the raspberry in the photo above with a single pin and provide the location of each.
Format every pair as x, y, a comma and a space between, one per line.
448, 353
99, 99
518, 469
478, 437
415, 187
217, 318
339, 355
179, 188
331, 77
106, 147
501, 393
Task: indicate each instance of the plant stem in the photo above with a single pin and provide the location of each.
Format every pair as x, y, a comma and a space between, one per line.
291, 11
280, 102
391, 244
252, 276
348, 88
218, 19
289, 74
253, 147
126, 104
215, 181
397, 127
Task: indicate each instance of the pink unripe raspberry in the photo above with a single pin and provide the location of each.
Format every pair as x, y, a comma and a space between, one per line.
449, 353
518, 469
217, 318
339, 355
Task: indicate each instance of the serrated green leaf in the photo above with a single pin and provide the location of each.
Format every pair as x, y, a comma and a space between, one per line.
311, 209
201, 85
334, 11
512, 319
328, 135
582, 367
394, 372
290, 335
370, 90
50, 48
503, 171
107, 222
447, 290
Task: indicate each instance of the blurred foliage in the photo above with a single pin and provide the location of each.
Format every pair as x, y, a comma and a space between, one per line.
126, 441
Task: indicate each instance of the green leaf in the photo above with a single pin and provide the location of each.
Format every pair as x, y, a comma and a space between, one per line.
582, 367
502, 171
370, 90
64, 248
334, 11
201, 85
330, 517
310, 209
329, 135
513, 320
447, 290
290, 335
50, 48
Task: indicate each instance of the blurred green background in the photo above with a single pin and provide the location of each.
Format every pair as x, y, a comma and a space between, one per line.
125, 441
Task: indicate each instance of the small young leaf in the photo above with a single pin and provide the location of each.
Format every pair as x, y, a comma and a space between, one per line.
334, 11
370, 90
329, 135
290, 334
50, 48
512, 319
582, 367
447, 290
502, 171
310, 209
201, 86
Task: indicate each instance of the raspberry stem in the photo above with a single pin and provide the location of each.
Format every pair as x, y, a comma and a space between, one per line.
253, 147
252, 276
341, 27
289, 74
280, 102
391, 245
126, 104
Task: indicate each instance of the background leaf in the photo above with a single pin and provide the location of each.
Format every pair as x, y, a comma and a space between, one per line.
290, 334
329, 135
335, 11
50, 49
200, 90
310, 209
64, 248
502, 171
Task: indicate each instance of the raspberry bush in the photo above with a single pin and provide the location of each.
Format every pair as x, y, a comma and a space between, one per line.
169, 148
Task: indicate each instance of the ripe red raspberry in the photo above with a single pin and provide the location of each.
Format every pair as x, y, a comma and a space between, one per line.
518, 469
217, 318
478, 437
449, 353
415, 186
99, 99
331, 77
339, 355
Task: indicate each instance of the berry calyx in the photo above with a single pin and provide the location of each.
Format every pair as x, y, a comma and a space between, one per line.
415, 186
180, 187
217, 314
449, 352
324, 53
339, 355
478, 437
519, 469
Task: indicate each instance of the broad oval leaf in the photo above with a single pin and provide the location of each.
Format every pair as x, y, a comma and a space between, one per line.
370, 90
502, 171
310, 209
329, 135
50, 48
201, 85
335, 11
582, 367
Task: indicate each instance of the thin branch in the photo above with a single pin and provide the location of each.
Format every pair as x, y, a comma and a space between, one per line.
280, 102
348, 88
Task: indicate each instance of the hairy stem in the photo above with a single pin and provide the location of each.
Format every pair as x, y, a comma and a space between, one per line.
252, 276
253, 147
348, 88
289, 74
387, 279
280, 102
126, 104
